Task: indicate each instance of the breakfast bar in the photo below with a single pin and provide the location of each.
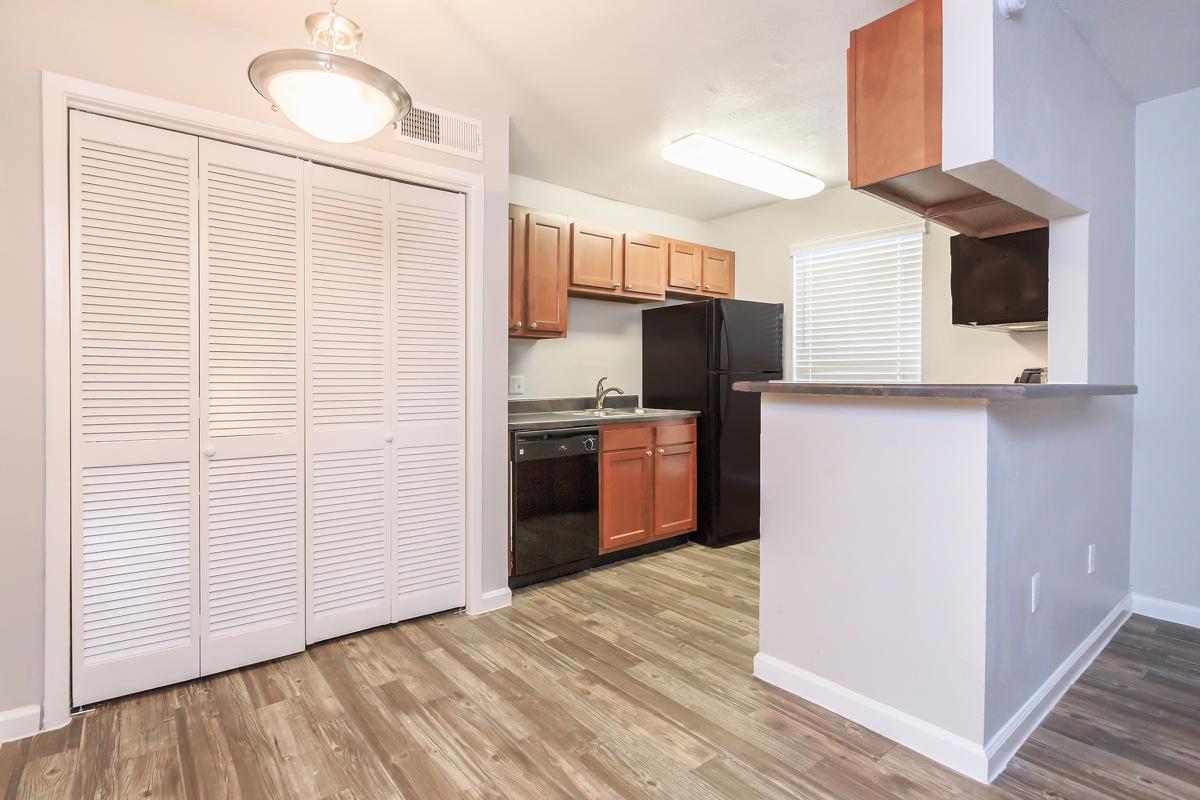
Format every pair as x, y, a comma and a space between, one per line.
938, 561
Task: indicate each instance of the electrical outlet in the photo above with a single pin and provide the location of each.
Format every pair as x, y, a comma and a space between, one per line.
516, 384
1091, 559
1035, 592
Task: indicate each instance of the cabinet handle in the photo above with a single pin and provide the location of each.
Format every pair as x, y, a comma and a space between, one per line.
707, 286
629, 286
533, 325
210, 451
662, 452
616, 286
649, 453
518, 323
387, 437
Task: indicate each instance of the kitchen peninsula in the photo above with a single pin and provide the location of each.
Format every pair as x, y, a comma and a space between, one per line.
938, 561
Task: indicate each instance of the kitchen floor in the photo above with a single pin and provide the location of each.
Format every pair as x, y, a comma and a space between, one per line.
629, 681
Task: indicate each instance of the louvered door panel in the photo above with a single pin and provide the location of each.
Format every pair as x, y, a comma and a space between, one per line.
350, 511
134, 518
428, 266
252, 512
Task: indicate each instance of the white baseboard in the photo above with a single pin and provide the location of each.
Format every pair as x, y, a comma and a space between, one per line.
491, 601
976, 761
954, 751
17, 723
1008, 740
1167, 610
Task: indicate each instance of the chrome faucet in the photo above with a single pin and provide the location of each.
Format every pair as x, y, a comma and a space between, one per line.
602, 393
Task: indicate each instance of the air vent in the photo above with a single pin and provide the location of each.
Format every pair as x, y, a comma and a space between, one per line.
430, 127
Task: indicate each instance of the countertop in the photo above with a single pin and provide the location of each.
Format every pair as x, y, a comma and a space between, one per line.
967, 391
546, 420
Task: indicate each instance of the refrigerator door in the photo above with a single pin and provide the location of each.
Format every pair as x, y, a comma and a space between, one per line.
745, 336
729, 468
675, 357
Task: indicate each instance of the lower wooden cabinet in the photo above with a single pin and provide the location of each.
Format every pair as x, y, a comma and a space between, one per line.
626, 498
647, 482
675, 489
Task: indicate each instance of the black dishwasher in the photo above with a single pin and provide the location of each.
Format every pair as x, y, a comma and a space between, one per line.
555, 498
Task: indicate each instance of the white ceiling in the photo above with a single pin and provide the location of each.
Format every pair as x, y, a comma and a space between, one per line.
1151, 47
595, 88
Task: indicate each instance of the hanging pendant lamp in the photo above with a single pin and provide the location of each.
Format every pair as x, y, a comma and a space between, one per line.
327, 90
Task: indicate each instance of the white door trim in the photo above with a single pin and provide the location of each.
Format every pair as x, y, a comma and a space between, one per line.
61, 93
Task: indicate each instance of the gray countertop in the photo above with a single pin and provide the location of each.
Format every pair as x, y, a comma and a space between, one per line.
546, 420
965, 391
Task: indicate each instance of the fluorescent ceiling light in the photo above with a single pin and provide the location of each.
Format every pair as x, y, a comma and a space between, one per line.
733, 164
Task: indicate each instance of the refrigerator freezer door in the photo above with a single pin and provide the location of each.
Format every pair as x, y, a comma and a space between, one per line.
745, 336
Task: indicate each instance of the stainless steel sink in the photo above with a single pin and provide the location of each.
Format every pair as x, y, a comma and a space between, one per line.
601, 412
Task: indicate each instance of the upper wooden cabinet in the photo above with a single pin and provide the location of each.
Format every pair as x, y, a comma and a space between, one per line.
645, 266
538, 253
684, 268
894, 99
717, 272
551, 256
597, 259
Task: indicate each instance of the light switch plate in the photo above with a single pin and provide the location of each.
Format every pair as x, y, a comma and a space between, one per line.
516, 384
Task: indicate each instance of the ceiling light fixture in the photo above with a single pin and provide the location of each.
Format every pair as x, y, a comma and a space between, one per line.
328, 90
705, 154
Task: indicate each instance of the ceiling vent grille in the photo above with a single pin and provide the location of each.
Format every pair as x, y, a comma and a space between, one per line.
436, 129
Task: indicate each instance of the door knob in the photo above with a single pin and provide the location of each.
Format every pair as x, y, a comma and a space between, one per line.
662, 452
629, 286
518, 323
533, 324
387, 437
649, 453
210, 451
616, 286
707, 286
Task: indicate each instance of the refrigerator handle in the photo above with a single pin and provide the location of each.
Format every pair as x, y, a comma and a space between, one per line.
728, 345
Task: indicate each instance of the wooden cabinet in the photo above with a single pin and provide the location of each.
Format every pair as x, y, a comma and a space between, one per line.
684, 266
647, 482
626, 498
645, 266
597, 259
718, 272
894, 100
539, 248
551, 257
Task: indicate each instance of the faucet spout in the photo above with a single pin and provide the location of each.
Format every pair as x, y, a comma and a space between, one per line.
602, 393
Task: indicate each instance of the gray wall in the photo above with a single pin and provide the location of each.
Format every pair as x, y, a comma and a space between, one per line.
1166, 516
154, 50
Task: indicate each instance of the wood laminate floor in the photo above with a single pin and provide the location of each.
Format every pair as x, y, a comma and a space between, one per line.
632, 681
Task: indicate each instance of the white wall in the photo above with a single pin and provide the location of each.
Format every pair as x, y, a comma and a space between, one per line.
604, 338
1166, 517
763, 238
187, 60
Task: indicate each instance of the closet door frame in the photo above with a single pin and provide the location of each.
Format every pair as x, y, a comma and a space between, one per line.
60, 94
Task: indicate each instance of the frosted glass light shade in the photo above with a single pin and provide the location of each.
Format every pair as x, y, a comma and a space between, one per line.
335, 98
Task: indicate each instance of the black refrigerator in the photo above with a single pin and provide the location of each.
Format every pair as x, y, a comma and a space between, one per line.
692, 354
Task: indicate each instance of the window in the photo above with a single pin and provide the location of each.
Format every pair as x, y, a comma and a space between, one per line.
856, 308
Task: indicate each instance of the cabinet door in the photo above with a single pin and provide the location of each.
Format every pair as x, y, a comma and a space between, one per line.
251, 406
894, 67
134, 367
684, 266
546, 274
718, 272
596, 258
626, 498
645, 265
516, 268
674, 489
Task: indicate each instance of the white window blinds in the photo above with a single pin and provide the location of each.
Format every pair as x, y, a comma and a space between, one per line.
857, 308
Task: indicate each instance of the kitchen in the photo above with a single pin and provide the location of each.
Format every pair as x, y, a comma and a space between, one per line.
801, 460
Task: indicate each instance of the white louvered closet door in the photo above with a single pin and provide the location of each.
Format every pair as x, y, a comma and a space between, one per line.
135, 600
251, 406
428, 416
349, 396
